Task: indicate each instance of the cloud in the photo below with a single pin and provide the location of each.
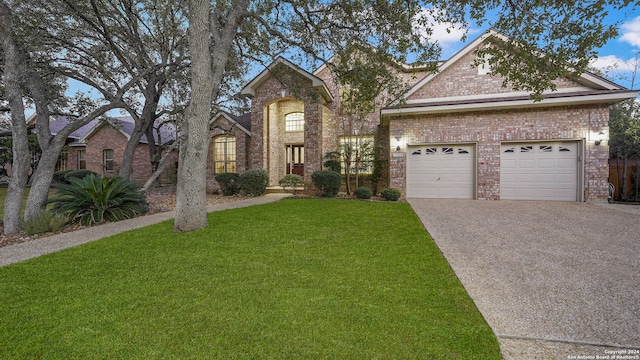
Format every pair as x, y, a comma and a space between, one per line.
631, 32
447, 34
613, 63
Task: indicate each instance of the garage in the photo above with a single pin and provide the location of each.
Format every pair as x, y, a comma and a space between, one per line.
441, 171
539, 171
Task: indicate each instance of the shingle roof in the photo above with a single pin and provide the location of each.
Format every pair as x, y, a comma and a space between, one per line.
125, 124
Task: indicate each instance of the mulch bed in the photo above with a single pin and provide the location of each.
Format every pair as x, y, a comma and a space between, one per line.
160, 199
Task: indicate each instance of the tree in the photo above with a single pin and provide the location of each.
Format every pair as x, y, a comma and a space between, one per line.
29, 74
624, 139
546, 40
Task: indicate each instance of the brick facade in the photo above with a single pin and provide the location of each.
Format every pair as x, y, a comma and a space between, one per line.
489, 129
271, 102
222, 126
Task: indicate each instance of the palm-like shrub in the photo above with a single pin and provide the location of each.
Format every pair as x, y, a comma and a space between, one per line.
95, 198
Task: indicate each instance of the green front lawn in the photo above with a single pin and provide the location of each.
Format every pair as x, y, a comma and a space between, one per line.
297, 279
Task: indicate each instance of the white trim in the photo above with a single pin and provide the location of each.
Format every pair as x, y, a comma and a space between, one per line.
494, 95
505, 104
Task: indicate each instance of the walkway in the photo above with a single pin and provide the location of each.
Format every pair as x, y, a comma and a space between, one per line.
34, 248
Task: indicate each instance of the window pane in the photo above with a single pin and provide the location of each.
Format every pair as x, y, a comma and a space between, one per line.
294, 122
224, 154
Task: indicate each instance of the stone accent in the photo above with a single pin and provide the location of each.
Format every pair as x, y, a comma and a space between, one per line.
272, 101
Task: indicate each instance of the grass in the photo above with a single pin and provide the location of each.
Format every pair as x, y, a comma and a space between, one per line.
297, 279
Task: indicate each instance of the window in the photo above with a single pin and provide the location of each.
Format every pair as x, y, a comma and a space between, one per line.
294, 122
431, 151
361, 149
546, 148
62, 161
107, 159
447, 150
82, 162
352, 102
224, 154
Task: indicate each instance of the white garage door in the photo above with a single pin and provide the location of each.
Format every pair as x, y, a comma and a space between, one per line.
539, 171
442, 171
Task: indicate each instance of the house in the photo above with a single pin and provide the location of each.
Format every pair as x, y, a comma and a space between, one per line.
99, 146
459, 134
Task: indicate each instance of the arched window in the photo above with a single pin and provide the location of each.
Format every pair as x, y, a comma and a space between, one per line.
224, 154
294, 122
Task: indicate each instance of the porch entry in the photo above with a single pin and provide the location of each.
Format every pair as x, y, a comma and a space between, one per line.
295, 159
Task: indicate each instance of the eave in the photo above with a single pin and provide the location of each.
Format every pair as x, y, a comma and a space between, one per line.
444, 105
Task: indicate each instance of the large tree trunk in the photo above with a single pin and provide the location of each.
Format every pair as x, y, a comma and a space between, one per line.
191, 200
206, 74
42, 178
13, 68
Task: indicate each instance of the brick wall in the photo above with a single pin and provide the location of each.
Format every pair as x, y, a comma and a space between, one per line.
272, 101
489, 129
461, 79
107, 137
242, 151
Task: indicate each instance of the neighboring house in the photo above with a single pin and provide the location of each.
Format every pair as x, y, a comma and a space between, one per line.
459, 134
99, 146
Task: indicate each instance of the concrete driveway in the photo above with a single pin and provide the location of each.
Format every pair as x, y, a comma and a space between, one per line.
554, 280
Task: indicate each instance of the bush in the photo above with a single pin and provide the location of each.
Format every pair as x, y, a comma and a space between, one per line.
60, 177
95, 199
291, 181
229, 183
332, 161
44, 222
254, 182
391, 194
363, 192
80, 174
326, 182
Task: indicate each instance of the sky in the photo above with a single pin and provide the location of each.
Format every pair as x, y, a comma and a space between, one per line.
617, 58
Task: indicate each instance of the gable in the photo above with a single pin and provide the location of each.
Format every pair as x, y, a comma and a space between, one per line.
293, 70
462, 79
458, 87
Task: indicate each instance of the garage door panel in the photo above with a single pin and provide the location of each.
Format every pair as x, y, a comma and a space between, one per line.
539, 171
443, 171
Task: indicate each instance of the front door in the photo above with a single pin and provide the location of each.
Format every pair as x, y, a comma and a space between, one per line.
295, 159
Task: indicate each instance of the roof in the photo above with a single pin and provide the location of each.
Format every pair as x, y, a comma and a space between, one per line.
592, 89
243, 122
316, 82
124, 124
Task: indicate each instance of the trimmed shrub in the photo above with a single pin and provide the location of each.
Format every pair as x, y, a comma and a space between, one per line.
254, 182
291, 181
363, 192
44, 222
229, 183
391, 194
96, 198
327, 182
